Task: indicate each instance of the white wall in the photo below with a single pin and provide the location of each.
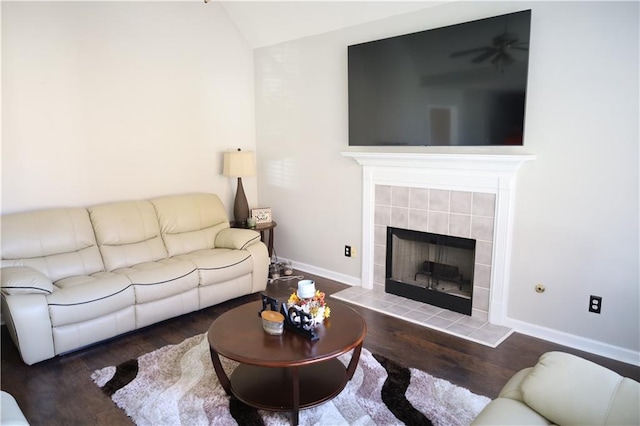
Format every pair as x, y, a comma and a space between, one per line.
577, 208
107, 101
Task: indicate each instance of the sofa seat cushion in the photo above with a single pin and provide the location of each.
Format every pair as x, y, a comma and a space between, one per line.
81, 279
84, 298
220, 265
159, 280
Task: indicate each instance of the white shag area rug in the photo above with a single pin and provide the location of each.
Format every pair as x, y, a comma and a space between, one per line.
176, 385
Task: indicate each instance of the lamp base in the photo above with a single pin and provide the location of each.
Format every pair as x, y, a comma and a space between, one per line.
241, 207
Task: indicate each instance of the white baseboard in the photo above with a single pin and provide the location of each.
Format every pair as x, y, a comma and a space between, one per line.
325, 273
573, 341
581, 343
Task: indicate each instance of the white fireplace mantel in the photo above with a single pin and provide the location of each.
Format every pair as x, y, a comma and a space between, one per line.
485, 173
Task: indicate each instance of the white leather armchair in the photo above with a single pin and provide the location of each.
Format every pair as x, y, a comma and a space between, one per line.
563, 389
10, 412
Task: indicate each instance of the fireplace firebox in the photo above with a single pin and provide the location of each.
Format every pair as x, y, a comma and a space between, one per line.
431, 268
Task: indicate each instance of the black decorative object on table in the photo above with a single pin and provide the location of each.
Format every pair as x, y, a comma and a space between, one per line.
295, 320
268, 302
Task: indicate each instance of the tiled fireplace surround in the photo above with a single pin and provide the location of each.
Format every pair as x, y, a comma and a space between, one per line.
445, 212
466, 195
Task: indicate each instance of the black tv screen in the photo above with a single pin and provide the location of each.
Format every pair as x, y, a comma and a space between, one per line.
462, 85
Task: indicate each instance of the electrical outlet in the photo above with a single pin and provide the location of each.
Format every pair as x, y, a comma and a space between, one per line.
354, 252
347, 251
595, 304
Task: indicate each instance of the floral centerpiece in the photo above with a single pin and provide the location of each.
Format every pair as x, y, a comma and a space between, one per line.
315, 306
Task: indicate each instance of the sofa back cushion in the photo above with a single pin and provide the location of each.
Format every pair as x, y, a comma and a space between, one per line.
60, 243
190, 222
127, 233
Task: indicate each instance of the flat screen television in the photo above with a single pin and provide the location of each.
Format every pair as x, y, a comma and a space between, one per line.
461, 85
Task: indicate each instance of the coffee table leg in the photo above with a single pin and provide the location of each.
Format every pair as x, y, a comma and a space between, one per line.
355, 357
296, 396
222, 376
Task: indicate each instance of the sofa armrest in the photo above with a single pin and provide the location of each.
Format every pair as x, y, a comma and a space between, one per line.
512, 389
261, 261
24, 280
28, 321
236, 238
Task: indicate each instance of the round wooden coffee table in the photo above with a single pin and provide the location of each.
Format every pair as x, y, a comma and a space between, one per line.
287, 372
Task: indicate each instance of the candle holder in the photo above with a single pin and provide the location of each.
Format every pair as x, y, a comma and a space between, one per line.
296, 320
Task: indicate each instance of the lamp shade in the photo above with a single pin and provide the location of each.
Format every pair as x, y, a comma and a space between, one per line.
239, 163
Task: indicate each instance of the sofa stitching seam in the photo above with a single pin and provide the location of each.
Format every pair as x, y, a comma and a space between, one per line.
610, 404
250, 241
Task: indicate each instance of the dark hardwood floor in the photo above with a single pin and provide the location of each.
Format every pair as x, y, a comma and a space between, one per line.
60, 391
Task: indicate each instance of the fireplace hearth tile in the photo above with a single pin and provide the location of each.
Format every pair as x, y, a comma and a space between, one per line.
439, 322
451, 316
420, 316
355, 292
472, 322
462, 329
379, 304
492, 328
412, 304
489, 336
459, 325
391, 298
399, 309
429, 309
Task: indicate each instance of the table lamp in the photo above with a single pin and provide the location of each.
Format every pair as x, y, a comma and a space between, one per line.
239, 164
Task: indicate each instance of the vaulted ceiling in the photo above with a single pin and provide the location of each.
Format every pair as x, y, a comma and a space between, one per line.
265, 23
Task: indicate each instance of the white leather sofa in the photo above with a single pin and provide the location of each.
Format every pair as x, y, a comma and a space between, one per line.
563, 389
74, 276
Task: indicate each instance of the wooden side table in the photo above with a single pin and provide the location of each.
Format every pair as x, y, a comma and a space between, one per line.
262, 228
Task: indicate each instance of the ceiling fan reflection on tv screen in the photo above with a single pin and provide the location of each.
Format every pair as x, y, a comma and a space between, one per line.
461, 85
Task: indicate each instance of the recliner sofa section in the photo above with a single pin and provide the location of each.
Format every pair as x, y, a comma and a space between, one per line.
564, 389
72, 277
